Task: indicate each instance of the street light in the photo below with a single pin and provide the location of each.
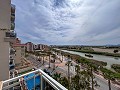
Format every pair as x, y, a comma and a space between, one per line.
69, 63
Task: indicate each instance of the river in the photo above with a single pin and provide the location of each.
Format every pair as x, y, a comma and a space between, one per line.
109, 59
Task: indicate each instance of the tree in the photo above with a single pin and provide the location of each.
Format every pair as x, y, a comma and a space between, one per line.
62, 56
81, 81
109, 75
64, 81
69, 64
57, 76
54, 58
49, 54
92, 67
37, 54
43, 55
115, 51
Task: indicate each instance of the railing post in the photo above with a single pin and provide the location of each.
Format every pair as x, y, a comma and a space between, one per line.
34, 82
41, 82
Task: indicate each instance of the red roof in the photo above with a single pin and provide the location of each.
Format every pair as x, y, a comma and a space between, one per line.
19, 45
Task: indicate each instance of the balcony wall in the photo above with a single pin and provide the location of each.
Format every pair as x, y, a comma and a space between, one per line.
12, 25
10, 37
12, 18
11, 34
12, 8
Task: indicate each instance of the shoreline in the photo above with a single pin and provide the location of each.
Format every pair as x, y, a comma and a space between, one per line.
93, 52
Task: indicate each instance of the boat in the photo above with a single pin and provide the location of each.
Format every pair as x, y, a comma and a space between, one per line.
89, 55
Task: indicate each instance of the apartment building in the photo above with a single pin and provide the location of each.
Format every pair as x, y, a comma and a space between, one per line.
41, 47
7, 37
29, 46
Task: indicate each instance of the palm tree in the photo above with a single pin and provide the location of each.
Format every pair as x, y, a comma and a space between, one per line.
54, 58
49, 54
69, 64
81, 81
91, 72
108, 75
62, 56
90, 68
77, 69
43, 55
37, 54
64, 81
57, 76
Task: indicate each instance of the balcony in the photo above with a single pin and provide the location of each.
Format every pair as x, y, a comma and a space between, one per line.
12, 17
12, 8
11, 67
12, 52
35, 80
12, 25
11, 64
10, 37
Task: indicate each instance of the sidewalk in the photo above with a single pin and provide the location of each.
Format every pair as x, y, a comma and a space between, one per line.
115, 85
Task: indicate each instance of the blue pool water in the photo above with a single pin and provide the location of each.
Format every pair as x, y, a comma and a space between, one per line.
30, 82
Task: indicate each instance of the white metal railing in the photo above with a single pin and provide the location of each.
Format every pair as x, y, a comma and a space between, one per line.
7, 84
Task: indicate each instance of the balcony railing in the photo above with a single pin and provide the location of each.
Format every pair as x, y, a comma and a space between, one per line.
11, 67
11, 64
10, 37
11, 34
12, 25
12, 8
12, 52
38, 81
12, 17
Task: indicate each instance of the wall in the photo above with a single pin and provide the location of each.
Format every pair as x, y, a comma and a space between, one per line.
5, 14
4, 57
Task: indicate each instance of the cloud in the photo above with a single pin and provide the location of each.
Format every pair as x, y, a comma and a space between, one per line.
68, 21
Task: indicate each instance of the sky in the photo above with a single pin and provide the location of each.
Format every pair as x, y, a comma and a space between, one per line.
68, 22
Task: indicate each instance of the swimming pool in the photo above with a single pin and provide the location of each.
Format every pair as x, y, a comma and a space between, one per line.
30, 82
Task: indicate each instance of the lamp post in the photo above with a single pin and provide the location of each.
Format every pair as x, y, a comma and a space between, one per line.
69, 64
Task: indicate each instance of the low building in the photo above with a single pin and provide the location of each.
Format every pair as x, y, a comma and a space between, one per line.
41, 47
20, 52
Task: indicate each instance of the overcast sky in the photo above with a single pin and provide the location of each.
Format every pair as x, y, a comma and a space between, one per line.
91, 22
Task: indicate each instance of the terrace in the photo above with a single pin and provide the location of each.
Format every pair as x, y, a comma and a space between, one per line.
35, 80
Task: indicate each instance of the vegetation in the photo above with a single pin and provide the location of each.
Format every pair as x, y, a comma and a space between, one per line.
93, 52
116, 67
115, 51
81, 81
110, 76
84, 78
49, 54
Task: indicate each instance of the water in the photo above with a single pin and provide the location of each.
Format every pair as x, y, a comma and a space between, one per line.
30, 82
109, 59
